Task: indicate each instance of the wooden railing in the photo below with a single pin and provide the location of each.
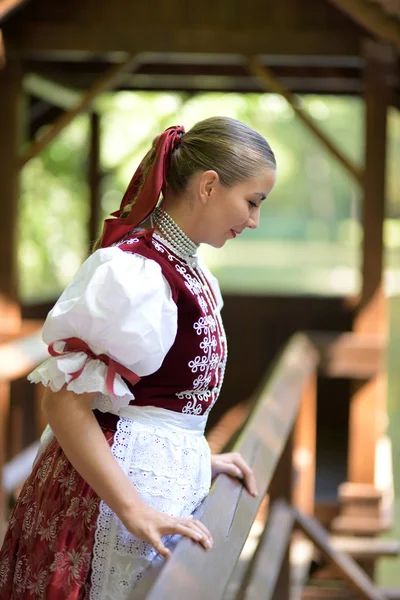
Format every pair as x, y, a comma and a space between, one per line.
268, 443
279, 430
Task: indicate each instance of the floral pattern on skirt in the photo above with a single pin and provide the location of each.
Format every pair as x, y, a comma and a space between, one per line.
47, 550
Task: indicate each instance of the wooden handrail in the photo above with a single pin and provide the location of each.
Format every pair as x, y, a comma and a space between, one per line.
261, 444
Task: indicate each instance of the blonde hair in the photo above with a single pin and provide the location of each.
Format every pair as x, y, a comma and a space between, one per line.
235, 151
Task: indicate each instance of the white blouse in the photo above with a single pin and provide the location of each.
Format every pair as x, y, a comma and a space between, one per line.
121, 305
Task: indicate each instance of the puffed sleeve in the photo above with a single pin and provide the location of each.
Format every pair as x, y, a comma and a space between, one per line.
120, 305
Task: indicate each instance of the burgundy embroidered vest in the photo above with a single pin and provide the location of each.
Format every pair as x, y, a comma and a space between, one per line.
190, 377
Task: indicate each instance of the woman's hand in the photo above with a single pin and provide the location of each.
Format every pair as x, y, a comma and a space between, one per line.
234, 465
75, 427
150, 525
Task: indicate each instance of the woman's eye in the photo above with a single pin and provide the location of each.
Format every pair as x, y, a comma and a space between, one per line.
252, 204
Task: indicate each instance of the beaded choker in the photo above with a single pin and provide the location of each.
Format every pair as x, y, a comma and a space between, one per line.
173, 233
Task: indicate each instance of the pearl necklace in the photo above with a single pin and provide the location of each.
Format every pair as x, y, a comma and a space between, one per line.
173, 233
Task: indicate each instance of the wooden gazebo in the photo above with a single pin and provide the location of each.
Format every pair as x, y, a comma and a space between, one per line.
57, 57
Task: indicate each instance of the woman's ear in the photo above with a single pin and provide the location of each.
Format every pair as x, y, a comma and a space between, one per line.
208, 183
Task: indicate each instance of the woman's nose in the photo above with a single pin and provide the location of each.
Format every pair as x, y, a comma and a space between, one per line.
254, 220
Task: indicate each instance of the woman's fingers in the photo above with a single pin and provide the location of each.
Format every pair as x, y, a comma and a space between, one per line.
187, 526
247, 472
202, 528
234, 465
195, 534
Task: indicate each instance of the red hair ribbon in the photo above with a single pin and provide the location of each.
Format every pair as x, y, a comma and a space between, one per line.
115, 229
74, 344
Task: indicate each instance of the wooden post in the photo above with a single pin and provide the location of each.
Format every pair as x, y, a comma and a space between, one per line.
305, 436
367, 410
10, 127
94, 177
4, 412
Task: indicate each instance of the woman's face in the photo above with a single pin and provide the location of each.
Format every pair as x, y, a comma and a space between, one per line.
228, 211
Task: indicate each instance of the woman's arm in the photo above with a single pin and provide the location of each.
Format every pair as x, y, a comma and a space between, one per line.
76, 429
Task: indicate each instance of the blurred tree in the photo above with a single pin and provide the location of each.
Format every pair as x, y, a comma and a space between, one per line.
309, 234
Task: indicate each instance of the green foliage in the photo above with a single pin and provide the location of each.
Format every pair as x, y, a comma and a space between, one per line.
309, 234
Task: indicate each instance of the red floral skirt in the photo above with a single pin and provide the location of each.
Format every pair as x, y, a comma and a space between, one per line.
47, 550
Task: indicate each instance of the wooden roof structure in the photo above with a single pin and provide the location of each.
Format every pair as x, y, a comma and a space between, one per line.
312, 46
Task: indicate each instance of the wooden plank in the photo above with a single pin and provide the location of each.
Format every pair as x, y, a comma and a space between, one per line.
109, 80
51, 91
4, 412
11, 108
361, 525
372, 17
353, 355
229, 510
348, 568
271, 553
272, 84
2, 51
305, 441
299, 83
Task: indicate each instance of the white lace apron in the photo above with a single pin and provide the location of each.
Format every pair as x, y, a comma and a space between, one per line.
167, 459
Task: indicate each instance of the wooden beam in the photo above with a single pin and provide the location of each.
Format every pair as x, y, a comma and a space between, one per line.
347, 567
368, 407
371, 16
272, 84
51, 91
379, 67
54, 40
305, 442
350, 355
167, 76
2, 51
8, 6
270, 554
109, 80
94, 176
11, 122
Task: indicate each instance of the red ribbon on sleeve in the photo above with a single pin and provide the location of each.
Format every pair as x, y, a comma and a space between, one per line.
74, 344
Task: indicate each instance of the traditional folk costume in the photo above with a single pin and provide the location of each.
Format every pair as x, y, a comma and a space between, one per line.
139, 325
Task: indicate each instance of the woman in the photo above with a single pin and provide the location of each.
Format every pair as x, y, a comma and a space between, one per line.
138, 353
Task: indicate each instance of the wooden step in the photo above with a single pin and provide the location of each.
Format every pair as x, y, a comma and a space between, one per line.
366, 548
342, 593
360, 525
349, 492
